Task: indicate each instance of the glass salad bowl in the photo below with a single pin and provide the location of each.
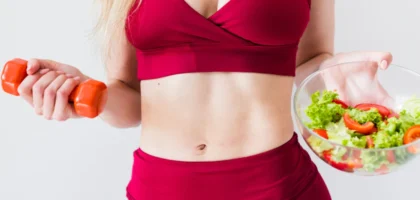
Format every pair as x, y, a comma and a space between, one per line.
360, 118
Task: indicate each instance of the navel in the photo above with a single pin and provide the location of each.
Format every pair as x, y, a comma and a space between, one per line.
201, 149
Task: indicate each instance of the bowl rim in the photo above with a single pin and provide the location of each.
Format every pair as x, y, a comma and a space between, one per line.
313, 74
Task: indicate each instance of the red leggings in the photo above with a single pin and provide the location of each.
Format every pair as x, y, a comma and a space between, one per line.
283, 173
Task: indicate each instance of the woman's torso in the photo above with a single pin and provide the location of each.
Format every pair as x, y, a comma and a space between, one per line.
233, 115
217, 115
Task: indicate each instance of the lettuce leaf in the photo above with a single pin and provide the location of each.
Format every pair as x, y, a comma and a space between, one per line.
412, 107
389, 135
322, 110
362, 117
339, 133
319, 145
373, 160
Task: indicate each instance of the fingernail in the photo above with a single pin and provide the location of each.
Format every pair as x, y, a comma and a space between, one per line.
76, 78
383, 64
38, 111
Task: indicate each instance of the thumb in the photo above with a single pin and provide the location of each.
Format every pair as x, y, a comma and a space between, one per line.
35, 65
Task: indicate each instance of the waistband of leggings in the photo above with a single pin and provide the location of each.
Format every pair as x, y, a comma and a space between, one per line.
288, 151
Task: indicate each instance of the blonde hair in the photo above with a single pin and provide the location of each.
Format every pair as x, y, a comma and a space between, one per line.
110, 26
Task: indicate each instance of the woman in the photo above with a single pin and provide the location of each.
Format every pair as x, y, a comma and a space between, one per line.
210, 82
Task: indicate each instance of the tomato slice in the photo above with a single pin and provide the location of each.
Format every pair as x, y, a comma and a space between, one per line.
338, 165
356, 154
412, 149
383, 169
369, 142
367, 128
390, 156
346, 156
393, 114
355, 163
338, 101
322, 133
384, 111
412, 134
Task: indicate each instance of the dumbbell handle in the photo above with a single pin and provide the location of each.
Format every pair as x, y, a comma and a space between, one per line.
88, 98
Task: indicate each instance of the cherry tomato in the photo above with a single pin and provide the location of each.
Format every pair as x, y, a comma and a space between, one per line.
322, 133
411, 135
338, 101
367, 128
369, 142
384, 111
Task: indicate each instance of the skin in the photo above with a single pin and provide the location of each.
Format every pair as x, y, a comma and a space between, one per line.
201, 116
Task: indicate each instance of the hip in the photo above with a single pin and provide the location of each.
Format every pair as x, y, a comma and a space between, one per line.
285, 172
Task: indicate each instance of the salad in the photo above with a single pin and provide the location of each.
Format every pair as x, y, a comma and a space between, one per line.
362, 126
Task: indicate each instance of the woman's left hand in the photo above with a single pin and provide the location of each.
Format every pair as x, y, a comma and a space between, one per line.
353, 76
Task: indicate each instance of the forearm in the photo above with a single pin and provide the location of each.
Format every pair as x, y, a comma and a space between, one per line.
312, 65
123, 108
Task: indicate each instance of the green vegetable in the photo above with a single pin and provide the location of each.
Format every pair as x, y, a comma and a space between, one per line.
407, 120
402, 155
389, 135
319, 145
373, 160
362, 117
412, 107
337, 153
325, 114
339, 133
323, 111
410, 114
358, 142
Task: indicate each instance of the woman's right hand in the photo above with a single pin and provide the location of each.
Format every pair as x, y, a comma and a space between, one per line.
48, 86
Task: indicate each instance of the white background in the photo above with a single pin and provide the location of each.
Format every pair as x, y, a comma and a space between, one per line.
89, 160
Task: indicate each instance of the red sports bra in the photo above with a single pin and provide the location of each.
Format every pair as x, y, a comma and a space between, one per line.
259, 36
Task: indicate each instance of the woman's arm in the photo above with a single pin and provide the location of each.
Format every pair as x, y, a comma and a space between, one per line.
317, 43
123, 108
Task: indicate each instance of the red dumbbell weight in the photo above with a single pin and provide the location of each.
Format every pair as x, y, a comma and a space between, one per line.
88, 98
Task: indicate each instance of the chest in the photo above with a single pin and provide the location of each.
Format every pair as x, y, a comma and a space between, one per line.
206, 8
165, 23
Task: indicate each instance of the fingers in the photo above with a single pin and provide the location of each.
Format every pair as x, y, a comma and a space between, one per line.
36, 64
48, 92
62, 110
50, 95
39, 88
48, 86
25, 88
383, 59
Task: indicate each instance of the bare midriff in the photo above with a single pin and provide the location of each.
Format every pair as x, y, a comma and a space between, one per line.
215, 116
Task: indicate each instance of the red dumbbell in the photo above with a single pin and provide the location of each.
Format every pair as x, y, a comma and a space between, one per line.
88, 98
